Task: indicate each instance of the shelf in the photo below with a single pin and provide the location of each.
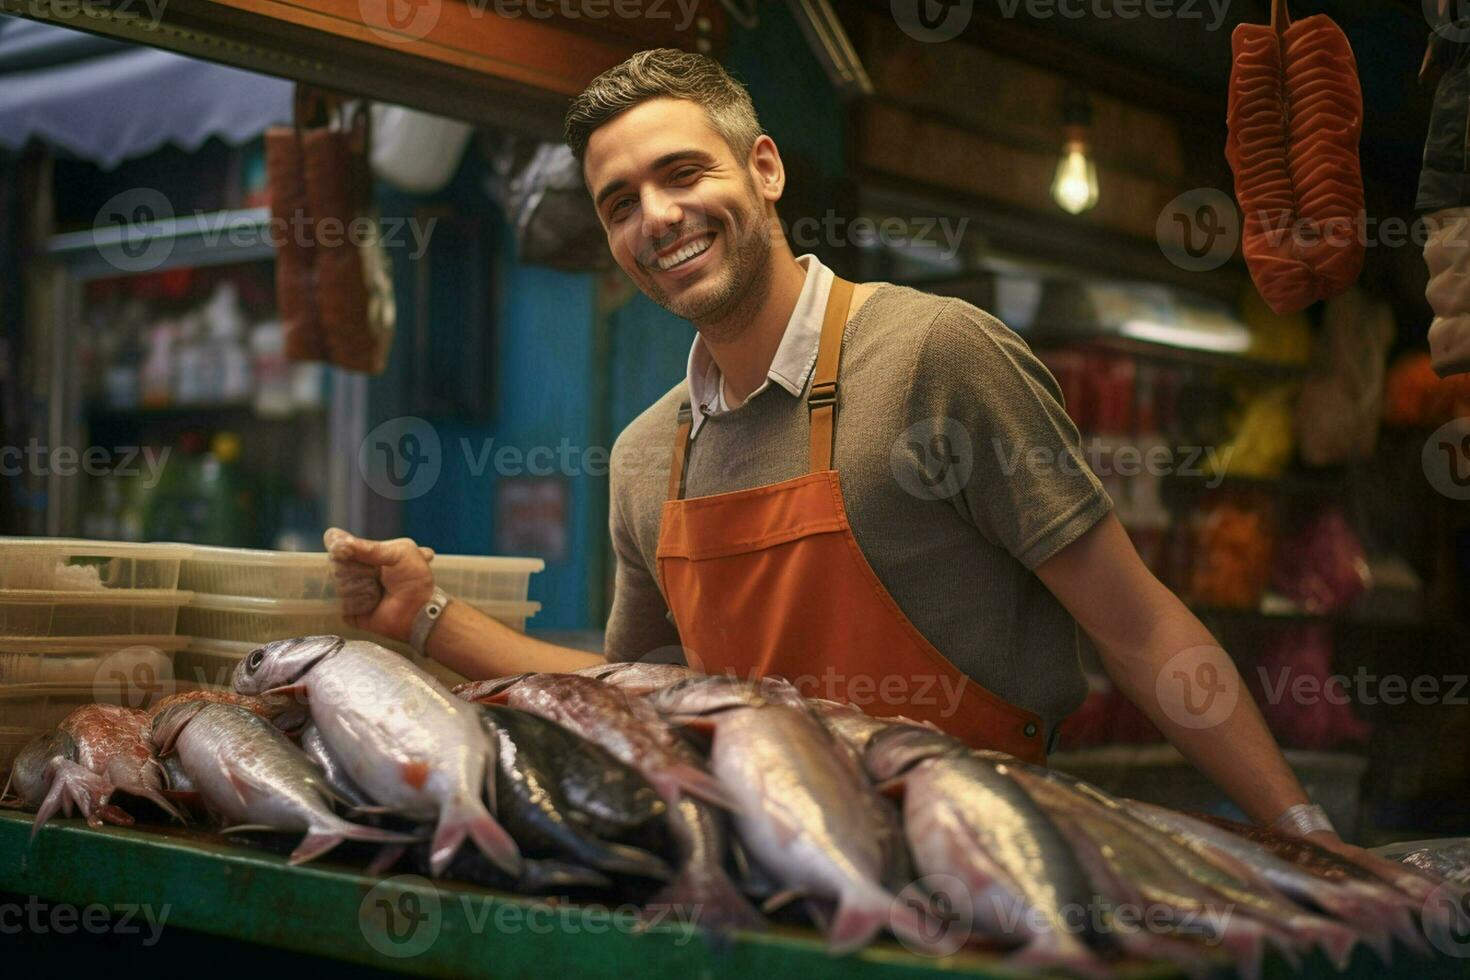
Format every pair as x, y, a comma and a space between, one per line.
1046, 339
189, 240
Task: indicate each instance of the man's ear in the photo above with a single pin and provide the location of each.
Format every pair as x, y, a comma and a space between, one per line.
766, 169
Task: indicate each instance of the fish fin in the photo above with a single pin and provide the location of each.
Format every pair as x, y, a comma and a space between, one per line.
376, 835
860, 917
253, 828
781, 899
820, 911
696, 782
239, 785
1334, 939
540, 876
317, 842
367, 811
296, 692
157, 798
706, 897
388, 856
73, 786
625, 859
469, 818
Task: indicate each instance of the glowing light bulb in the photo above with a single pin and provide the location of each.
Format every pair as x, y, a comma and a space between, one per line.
1075, 185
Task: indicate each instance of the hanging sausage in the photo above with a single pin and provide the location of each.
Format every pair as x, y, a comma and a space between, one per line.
1295, 116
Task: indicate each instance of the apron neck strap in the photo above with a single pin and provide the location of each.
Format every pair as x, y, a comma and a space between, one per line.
821, 400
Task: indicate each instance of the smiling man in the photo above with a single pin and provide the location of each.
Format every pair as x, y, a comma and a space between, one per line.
824, 496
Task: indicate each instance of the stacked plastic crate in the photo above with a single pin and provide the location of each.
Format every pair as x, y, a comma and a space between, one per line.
83, 621
243, 598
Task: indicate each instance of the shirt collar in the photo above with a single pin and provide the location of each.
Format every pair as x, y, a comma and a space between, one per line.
795, 356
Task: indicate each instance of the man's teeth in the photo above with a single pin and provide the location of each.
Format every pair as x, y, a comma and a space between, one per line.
689, 251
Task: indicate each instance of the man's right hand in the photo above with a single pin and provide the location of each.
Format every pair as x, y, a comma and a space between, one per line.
382, 584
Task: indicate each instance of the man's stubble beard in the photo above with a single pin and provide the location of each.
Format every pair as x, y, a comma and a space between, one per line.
722, 312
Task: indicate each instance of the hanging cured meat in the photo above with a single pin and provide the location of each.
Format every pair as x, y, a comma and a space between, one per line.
1295, 115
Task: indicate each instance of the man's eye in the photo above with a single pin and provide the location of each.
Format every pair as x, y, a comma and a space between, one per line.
685, 173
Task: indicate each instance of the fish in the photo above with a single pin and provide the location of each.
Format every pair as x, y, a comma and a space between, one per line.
964, 818
112, 741
637, 678
252, 775
270, 708
635, 734
402, 738
802, 812
1376, 910
1129, 869
533, 807
336, 777
47, 775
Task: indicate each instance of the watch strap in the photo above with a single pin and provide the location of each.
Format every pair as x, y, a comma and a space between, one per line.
427, 619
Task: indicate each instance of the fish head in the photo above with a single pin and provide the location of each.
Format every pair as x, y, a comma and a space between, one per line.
896, 749
701, 697
281, 663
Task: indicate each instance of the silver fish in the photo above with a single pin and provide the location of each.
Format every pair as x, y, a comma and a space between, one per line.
342, 786
253, 776
964, 818
634, 733
400, 736
803, 814
633, 677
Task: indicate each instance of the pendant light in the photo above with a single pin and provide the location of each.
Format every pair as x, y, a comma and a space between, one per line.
1075, 186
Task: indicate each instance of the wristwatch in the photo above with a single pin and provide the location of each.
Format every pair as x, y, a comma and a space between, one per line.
1303, 819
427, 618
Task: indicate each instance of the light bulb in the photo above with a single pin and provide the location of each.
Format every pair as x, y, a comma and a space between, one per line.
1075, 186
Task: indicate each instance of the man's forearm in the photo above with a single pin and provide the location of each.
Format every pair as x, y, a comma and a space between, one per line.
1188, 686
471, 643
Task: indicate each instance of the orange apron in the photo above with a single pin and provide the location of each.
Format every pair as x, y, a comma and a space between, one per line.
770, 581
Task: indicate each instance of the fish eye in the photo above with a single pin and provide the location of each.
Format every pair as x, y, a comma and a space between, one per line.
256, 657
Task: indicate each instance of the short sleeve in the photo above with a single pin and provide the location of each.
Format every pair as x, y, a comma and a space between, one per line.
639, 619
984, 405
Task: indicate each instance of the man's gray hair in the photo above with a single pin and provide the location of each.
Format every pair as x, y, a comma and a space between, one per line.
666, 73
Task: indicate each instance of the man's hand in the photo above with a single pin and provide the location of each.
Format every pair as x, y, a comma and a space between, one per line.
382, 584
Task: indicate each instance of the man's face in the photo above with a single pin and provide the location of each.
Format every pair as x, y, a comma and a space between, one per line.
683, 216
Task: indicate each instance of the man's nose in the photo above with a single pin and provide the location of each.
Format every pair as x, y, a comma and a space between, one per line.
661, 212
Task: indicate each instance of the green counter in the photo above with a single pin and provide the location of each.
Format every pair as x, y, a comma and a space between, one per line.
445, 929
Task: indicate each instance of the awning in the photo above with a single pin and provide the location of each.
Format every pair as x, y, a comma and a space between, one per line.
108, 104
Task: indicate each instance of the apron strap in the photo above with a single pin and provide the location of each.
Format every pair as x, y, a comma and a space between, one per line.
680, 464
821, 401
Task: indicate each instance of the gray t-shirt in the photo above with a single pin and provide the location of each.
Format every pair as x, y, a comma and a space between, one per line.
960, 470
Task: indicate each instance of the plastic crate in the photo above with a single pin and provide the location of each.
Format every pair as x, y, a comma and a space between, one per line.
74, 565
108, 612
209, 663
258, 574
478, 579
47, 705
250, 619
137, 660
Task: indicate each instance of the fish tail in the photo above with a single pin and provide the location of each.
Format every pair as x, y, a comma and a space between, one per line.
372, 835
861, 915
74, 786
703, 895
1072, 958
696, 782
1333, 938
318, 841
468, 818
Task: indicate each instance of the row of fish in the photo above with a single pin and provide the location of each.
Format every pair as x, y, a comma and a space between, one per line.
710, 796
